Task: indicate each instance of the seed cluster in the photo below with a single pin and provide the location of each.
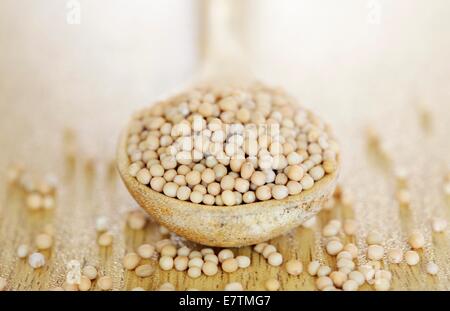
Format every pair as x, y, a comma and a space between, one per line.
349, 276
269, 251
42, 242
403, 194
40, 193
229, 146
89, 275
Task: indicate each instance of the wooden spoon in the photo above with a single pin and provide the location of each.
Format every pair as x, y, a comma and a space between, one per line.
225, 226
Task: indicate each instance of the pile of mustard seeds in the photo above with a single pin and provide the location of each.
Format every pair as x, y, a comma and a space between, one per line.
229, 146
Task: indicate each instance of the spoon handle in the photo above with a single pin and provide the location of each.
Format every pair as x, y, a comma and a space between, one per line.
222, 37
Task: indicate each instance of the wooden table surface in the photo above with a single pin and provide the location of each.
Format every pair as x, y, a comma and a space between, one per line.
76, 82
89, 188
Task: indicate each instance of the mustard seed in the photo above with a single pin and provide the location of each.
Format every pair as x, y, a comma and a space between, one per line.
90, 272
143, 176
352, 249
374, 238
167, 287
181, 263
323, 282
243, 261
196, 197
350, 285
184, 251
43, 241
228, 197
395, 255
234, 286
307, 182
210, 268
294, 267
34, 201
36, 260
102, 224
323, 270
330, 230
439, 224
146, 251
368, 272
85, 284
131, 260
183, 193
213, 258
263, 193
195, 254
196, 262
295, 172
207, 250
334, 247
403, 196
375, 264
268, 249
105, 283
375, 252
225, 254
383, 274
310, 223
416, 240
357, 276
230, 265
22, 251
313, 267
144, 271
412, 258
432, 268
259, 248
48, 202
272, 284
105, 239
344, 254
280, 192
166, 263
169, 250
382, 284
170, 189
194, 272
345, 263
136, 220
317, 172
338, 278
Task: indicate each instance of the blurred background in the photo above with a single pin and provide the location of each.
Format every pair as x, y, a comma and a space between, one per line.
89, 64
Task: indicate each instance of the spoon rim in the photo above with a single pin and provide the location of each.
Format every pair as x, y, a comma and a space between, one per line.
123, 163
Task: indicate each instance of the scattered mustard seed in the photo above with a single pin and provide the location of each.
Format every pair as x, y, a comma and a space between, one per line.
36, 260
272, 284
144, 271
105, 283
234, 286
130, 261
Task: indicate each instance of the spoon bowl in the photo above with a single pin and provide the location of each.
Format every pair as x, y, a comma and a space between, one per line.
226, 226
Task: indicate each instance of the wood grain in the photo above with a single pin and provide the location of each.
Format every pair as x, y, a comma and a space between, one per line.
74, 217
